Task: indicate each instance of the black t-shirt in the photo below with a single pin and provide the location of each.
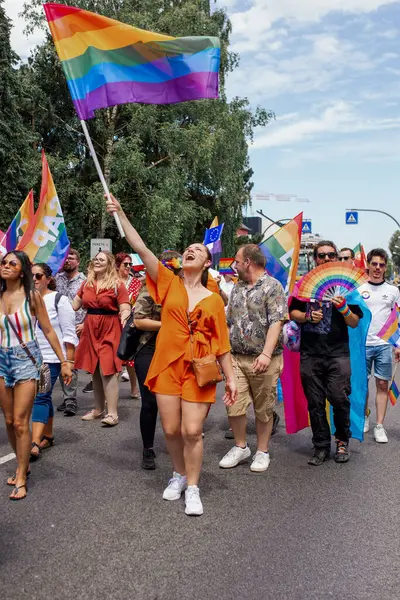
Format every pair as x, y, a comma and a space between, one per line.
328, 337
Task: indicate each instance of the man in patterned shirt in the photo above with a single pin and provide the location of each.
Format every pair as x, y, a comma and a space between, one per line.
68, 282
256, 312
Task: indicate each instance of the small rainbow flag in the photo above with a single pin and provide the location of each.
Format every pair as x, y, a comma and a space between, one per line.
107, 63
20, 224
282, 250
393, 393
390, 332
225, 266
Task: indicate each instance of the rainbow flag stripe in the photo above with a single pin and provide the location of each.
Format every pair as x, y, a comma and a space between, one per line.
390, 332
282, 252
107, 63
225, 266
393, 393
22, 220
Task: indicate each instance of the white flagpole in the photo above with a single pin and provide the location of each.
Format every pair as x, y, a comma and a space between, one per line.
100, 173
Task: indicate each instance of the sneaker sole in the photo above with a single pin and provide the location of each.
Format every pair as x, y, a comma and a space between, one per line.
381, 441
194, 514
235, 465
259, 470
173, 499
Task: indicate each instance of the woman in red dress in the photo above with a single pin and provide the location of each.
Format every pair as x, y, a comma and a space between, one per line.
106, 301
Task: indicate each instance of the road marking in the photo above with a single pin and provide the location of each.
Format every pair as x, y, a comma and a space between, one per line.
6, 458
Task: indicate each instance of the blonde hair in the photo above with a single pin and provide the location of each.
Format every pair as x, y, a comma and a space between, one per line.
110, 279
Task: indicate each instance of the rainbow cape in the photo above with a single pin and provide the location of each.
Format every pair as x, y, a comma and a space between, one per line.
390, 332
107, 63
20, 224
295, 402
282, 250
47, 241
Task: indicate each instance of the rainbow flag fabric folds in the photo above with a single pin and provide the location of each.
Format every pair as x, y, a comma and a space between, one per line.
393, 393
107, 63
48, 242
20, 224
390, 332
282, 252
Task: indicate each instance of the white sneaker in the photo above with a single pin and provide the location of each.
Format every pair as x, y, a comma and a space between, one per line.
380, 434
176, 486
260, 462
234, 457
124, 376
366, 425
193, 503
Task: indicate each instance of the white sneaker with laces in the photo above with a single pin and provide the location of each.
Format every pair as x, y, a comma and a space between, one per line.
176, 485
234, 457
260, 462
380, 434
194, 507
366, 425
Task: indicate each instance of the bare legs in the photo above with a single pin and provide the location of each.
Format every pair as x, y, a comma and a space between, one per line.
182, 423
382, 389
263, 431
133, 380
105, 389
17, 405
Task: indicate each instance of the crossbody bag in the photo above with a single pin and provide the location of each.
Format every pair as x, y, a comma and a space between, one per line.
206, 369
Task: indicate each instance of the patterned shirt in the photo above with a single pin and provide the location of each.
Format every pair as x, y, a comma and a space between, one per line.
250, 313
69, 288
146, 308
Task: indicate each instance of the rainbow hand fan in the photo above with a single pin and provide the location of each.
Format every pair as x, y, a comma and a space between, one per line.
330, 280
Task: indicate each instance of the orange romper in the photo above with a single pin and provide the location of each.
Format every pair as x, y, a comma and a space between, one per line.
171, 371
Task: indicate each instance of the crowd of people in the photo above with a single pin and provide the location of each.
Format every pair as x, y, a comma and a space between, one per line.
194, 331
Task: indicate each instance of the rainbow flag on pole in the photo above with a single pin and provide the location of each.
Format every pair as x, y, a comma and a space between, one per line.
107, 63
393, 393
282, 252
390, 332
20, 224
47, 241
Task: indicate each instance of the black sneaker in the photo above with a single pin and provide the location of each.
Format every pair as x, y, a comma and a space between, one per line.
148, 460
320, 456
342, 454
61, 407
229, 435
275, 423
71, 407
88, 389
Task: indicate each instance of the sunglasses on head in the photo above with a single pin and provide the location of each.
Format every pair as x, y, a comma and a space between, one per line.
322, 255
376, 264
344, 258
10, 263
38, 276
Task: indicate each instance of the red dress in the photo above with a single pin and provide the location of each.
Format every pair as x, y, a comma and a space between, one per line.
101, 333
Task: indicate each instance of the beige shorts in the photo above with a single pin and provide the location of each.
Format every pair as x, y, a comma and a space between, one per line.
258, 389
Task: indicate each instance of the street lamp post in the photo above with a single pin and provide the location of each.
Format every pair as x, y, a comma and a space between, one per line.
382, 212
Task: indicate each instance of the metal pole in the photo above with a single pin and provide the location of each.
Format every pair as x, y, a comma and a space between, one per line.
382, 212
100, 174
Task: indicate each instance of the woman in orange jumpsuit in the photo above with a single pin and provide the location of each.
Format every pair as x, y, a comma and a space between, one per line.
182, 404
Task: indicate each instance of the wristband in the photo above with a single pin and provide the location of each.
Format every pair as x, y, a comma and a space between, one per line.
344, 309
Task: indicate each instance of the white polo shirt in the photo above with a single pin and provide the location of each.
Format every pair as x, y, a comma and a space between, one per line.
380, 299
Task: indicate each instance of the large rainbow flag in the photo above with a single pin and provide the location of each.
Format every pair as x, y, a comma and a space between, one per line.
107, 63
390, 332
48, 242
282, 250
20, 224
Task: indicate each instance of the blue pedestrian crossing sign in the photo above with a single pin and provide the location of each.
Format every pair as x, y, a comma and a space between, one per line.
351, 217
306, 227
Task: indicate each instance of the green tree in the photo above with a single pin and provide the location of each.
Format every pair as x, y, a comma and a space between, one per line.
16, 151
394, 247
173, 167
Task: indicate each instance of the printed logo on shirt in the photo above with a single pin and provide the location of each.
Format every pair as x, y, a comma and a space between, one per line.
366, 295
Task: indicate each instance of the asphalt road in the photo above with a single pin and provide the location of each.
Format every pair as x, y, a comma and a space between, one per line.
95, 526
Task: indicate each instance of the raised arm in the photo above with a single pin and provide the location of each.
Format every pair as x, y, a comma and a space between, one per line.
134, 240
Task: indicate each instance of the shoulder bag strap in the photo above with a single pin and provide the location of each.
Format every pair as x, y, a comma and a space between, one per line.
191, 336
28, 352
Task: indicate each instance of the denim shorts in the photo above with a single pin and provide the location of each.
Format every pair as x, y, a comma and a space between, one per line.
382, 358
15, 366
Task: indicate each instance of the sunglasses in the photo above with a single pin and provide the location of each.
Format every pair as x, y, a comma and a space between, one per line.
127, 265
376, 264
9, 263
344, 258
38, 276
322, 255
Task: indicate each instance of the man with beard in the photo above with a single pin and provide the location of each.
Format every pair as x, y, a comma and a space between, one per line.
68, 282
256, 312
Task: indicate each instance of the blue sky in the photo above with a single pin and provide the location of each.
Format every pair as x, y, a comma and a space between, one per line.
330, 70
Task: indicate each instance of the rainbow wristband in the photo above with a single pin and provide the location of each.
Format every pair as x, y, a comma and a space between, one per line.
344, 309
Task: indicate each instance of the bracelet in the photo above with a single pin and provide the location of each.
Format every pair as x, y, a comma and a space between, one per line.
68, 361
267, 355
